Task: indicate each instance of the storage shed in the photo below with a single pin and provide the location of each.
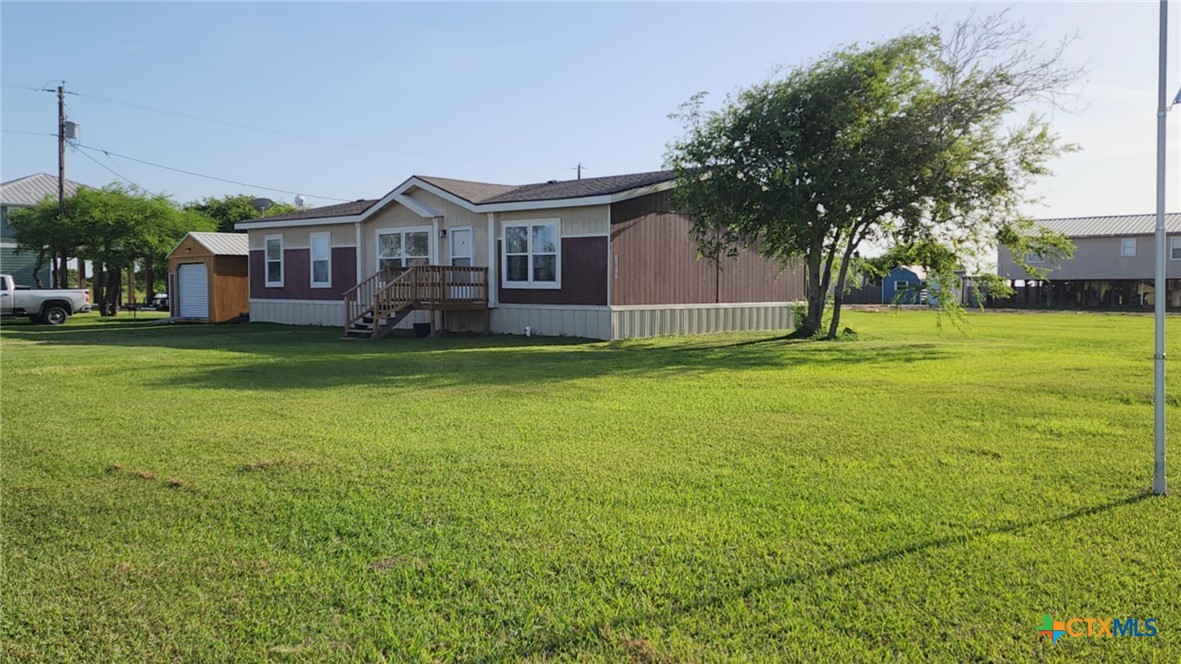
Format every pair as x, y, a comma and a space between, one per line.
208, 277
905, 285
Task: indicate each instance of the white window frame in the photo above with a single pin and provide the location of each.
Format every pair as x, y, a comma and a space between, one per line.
901, 286
451, 245
529, 224
266, 261
1124, 246
403, 232
1175, 248
326, 236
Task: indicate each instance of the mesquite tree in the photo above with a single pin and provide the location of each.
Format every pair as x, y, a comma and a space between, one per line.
910, 142
116, 227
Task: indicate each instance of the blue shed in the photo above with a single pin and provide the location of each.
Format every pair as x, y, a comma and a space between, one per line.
905, 285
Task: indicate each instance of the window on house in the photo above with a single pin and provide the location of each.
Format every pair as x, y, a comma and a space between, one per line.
901, 285
403, 248
531, 252
461, 247
274, 260
1175, 248
1035, 257
321, 256
1127, 246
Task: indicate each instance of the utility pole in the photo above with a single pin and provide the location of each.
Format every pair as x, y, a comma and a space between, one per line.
60, 280
579, 169
1160, 294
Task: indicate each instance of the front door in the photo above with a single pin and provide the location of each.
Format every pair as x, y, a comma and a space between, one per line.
461, 256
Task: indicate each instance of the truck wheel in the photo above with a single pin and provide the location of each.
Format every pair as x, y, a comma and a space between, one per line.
54, 315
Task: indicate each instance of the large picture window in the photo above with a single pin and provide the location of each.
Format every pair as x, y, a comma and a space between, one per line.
321, 257
274, 260
531, 254
403, 248
1175, 248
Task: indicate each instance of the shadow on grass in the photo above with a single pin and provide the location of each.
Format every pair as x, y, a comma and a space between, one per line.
588, 634
278, 357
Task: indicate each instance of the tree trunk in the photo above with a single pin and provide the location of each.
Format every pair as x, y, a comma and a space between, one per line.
131, 285
37, 269
63, 272
81, 272
815, 296
838, 297
98, 287
114, 292
149, 282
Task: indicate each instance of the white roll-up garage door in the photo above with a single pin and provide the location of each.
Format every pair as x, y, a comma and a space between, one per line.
193, 286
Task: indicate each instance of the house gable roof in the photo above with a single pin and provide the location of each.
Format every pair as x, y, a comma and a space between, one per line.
1111, 225
482, 197
340, 210
32, 189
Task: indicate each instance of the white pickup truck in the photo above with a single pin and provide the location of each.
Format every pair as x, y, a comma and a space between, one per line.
41, 305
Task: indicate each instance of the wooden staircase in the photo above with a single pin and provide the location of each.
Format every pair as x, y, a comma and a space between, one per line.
375, 306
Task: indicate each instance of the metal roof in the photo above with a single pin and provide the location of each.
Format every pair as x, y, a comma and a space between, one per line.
223, 244
32, 189
1120, 224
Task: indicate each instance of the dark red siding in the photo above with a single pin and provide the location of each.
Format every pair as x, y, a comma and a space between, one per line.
297, 275
584, 276
654, 261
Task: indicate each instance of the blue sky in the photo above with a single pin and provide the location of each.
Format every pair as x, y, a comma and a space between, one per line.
493, 92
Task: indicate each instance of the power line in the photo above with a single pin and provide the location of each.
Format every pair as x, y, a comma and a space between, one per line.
28, 133
108, 168
207, 177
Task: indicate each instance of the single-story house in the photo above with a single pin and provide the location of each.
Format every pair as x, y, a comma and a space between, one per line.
20, 193
208, 277
1112, 266
604, 258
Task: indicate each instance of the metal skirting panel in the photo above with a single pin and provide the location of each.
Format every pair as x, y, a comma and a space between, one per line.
553, 321
312, 312
639, 322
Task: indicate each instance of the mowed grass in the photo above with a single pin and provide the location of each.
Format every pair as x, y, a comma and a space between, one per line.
257, 492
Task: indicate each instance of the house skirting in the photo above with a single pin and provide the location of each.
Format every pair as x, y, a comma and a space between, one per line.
312, 312
553, 320
654, 321
591, 322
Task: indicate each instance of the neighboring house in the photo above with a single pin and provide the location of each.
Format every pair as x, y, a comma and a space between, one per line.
604, 258
1112, 266
23, 193
208, 277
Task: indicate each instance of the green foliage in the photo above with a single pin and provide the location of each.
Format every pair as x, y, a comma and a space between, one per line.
230, 209
119, 225
908, 142
268, 493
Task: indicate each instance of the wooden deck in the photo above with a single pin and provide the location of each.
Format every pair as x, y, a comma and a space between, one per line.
373, 307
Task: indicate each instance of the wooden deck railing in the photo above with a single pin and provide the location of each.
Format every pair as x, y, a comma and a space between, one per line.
437, 286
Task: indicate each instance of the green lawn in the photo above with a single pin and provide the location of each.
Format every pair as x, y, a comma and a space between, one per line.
195, 493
